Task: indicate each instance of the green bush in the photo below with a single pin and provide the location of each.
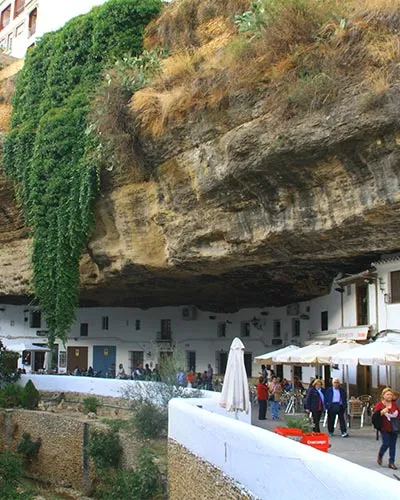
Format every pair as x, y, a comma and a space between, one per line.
145, 483
91, 404
150, 421
8, 364
28, 449
11, 474
11, 396
104, 449
30, 396
303, 423
52, 152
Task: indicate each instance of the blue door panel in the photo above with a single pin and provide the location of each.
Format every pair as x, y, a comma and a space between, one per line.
103, 357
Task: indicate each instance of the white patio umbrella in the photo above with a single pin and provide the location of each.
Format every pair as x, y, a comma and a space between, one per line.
381, 352
235, 389
267, 358
302, 356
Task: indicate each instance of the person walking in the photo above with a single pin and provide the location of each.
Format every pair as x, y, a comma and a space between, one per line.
315, 402
275, 391
390, 414
336, 405
262, 396
210, 374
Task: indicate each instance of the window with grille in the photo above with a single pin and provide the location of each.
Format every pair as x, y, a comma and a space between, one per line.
137, 324
277, 328
395, 286
32, 22
295, 327
324, 320
35, 319
191, 360
104, 323
166, 332
84, 329
221, 329
245, 329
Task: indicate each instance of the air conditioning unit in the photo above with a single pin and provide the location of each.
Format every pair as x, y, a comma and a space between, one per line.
293, 309
276, 341
189, 313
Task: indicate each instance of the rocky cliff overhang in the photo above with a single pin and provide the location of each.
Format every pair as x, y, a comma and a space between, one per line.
242, 204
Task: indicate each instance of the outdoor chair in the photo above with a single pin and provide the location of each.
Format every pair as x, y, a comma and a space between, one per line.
356, 409
325, 423
366, 400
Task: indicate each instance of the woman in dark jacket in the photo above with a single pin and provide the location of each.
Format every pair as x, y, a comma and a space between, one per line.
315, 402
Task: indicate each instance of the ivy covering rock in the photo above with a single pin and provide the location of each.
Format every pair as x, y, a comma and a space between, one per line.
53, 154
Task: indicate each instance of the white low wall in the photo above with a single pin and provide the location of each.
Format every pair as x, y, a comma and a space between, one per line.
268, 465
86, 385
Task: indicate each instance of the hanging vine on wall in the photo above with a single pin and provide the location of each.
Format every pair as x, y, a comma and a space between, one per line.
51, 152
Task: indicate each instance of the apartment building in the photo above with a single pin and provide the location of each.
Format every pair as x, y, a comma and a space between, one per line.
22, 22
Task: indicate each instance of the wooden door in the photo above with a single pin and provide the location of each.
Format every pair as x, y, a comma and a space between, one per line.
77, 357
362, 304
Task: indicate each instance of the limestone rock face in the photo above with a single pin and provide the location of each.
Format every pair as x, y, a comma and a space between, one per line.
253, 213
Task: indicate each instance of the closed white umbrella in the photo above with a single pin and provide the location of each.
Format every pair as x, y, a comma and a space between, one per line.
235, 390
267, 358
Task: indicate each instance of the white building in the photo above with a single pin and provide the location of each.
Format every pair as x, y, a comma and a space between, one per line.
357, 307
22, 22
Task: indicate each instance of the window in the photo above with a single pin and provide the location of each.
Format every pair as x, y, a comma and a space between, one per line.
137, 324
9, 41
277, 328
245, 329
166, 333
248, 362
18, 7
191, 360
221, 329
35, 319
32, 22
104, 323
295, 327
395, 286
135, 358
5, 17
19, 30
324, 320
84, 329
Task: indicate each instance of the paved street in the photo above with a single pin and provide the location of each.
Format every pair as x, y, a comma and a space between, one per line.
360, 447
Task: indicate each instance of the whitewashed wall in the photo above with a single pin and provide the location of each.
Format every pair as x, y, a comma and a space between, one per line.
271, 466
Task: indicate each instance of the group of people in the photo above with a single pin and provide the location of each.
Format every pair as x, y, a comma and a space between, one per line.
197, 380
269, 389
334, 400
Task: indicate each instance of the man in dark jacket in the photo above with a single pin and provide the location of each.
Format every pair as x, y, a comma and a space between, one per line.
336, 404
315, 402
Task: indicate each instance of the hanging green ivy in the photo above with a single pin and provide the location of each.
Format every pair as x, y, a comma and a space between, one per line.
51, 151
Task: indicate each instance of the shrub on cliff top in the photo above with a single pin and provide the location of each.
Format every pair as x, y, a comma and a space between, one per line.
50, 151
10, 396
8, 363
30, 396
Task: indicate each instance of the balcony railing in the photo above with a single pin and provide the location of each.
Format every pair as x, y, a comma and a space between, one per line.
164, 337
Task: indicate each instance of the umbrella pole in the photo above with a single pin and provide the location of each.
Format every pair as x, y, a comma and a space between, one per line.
347, 383
387, 376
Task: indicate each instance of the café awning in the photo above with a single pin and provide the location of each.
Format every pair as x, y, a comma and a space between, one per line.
267, 358
304, 355
383, 351
24, 346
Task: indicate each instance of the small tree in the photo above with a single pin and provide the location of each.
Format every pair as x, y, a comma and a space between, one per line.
160, 393
8, 363
104, 449
28, 448
30, 396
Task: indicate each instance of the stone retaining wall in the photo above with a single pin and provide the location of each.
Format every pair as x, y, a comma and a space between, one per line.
62, 459
191, 478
